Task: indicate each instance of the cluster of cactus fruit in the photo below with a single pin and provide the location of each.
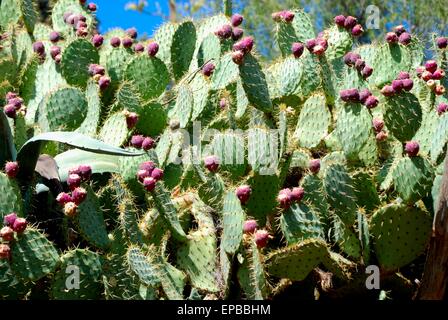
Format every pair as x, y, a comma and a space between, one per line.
318, 164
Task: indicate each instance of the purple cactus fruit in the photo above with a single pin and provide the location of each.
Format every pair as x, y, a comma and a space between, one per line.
66, 16
81, 25
238, 57
92, 7
357, 30
314, 165
277, 16
211, 163
82, 32
442, 42
152, 49
405, 38
54, 36
310, 44
297, 49
10, 95
377, 124
388, 91
104, 82
261, 238
245, 45
85, 172
70, 209
439, 90
321, 42
7, 233
371, 102
442, 108
426, 75
142, 174
397, 85
408, 84
419, 71
237, 34
19, 225
74, 181
318, 50
399, 30
79, 195
127, 42
115, 42
138, 48
381, 136
72, 19
223, 103
10, 111
96, 69
54, 51
132, 32
16, 102
350, 58
148, 166
350, 22
250, 226
349, 95
412, 148
82, 18
82, 2
149, 183
431, 66
97, 40
207, 69
403, 75
236, 20
148, 143
439, 74
63, 198
391, 37
131, 119
339, 21
11, 169
9, 219
157, 174
5, 252
360, 64
284, 198
39, 48
287, 16
297, 193
224, 32
243, 193
137, 141
364, 94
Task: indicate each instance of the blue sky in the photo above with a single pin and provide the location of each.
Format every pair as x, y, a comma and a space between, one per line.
112, 13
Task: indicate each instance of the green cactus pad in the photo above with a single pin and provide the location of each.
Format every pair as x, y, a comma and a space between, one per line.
226, 72
173, 281
263, 148
439, 138
233, 218
115, 130
94, 106
313, 122
299, 223
365, 191
63, 6
29, 14
115, 60
10, 286
149, 75
346, 238
10, 197
9, 12
33, 256
209, 50
400, 234
251, 274
340, 41
88, 264
22, 47
119, 282
314, 196
212, 190
143, 267
284, 78
205, 104
152, 119
184, 105
364, 236
403, 115
263, 198
297, 261
387, 61
426, 132
164, 37
182, 48
413, 178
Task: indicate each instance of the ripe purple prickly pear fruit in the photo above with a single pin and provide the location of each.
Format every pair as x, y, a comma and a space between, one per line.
54, 36
127, 42
142, 174
148, 143
223, 103
211, 163
439, 74
377, 125
39, 48
350, 22
442, 42
391, 37
16, 102
19, 225
297, 49
152, 49
138, 48
157, 174
314, 165
55, 51
399, 30
419, 71
149, 183
261, 238
63, 198
11, 169
7, 233
207, 69
74, 181
243, 193
236, 20
287, 16
92, 7
426, 75
245, 45
10, 95
412, 148
67, 15
388, 91
397, 85
237, 34
310, 44
366, 72
115, 42
349, 95
318, 50
148, 166
350, 58
82, 32
339, 21
5, 252
381, 136
405, 38
360, 64
10, 111
431, 66
81, 24
224, 32
131, 119
364, 94
403, 75
371, 102
79, 195
137, 141
97, 40
408, 84
250, 226
132, 32
439, 90
357, 30
70, 209
104, 82
297, 193
284, 198
85, 172
9, 219
238, 57
442, 108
